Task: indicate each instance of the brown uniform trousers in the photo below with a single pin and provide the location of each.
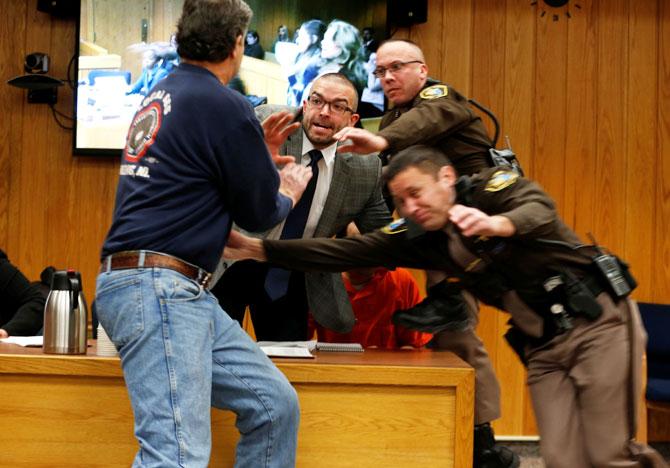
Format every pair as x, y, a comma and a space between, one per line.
443, 121
468, 346
576, 383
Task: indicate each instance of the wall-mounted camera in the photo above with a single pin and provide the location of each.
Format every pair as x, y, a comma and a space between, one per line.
37, 62
41, 87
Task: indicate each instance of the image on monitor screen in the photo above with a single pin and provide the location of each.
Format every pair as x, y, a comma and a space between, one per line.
127, 46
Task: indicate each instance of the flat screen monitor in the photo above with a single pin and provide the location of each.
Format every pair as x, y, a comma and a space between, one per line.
125, 47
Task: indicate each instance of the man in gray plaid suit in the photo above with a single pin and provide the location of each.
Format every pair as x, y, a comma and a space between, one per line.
347, 187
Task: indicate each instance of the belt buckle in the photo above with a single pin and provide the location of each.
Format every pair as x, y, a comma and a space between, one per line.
203, 277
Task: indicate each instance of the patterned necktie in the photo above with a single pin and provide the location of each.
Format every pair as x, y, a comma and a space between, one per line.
276, 281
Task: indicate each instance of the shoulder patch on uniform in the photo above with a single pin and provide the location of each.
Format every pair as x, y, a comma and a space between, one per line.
434, 91
500, 180
395, 227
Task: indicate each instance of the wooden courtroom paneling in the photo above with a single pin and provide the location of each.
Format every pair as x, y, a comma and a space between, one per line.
612, 67
585, 101
56, 208
580, 162
487, 87
517, 120
661, 270
549, 105
641, 145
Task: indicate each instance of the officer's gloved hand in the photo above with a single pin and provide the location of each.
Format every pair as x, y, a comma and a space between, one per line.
444, 308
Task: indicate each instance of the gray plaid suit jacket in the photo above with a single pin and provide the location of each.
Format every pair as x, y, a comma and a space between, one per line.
355, 195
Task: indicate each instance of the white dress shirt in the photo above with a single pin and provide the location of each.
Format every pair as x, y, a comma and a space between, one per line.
326, 166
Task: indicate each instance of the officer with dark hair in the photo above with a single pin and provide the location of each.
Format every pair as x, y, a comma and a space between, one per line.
500, 238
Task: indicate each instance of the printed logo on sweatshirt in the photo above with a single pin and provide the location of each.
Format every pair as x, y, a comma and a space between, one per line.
143, 132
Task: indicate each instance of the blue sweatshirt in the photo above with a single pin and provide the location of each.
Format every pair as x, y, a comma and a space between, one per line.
194, 162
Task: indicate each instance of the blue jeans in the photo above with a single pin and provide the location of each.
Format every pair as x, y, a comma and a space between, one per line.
181, 353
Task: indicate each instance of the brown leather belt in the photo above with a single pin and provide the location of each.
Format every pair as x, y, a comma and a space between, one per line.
133, 259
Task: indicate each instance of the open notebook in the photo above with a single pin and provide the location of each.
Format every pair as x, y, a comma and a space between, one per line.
339, 347
302, 349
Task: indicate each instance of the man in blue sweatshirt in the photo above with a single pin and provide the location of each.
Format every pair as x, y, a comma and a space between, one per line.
196, 161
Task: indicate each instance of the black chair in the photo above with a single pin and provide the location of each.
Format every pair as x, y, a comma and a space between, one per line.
656, 319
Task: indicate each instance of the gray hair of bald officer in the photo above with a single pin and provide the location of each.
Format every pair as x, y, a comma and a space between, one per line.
425, 158
208, 29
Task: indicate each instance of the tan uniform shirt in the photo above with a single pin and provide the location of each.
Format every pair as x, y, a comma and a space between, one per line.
439, 116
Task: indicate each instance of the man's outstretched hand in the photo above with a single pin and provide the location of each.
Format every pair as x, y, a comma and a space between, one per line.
474, 222
360, 141
293, 179
276, 128
241, 247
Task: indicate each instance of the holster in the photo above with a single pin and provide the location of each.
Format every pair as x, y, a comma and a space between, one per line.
517, 341
580, 296
535, 325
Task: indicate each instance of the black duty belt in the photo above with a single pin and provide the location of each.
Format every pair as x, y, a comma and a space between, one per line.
593, 285
145, 259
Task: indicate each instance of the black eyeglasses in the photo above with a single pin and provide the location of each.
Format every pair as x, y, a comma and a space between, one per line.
395, 67
336, 107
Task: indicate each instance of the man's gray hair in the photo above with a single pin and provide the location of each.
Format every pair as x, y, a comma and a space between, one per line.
208, 29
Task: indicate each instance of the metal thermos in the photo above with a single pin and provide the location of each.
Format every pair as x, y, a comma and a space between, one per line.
65, 315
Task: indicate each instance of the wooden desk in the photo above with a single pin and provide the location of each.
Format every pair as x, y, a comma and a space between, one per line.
376, 408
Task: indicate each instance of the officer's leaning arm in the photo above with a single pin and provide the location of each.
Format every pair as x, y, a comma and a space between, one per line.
360, 141
474, 222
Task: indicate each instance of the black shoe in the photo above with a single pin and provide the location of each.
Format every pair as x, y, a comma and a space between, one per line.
488, 454
443, 309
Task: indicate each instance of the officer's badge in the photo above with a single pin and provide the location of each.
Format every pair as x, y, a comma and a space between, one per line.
434, 91
500, 180
396, 227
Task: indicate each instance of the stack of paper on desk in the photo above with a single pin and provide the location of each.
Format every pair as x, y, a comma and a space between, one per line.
33, 341
297, 349
303, 348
